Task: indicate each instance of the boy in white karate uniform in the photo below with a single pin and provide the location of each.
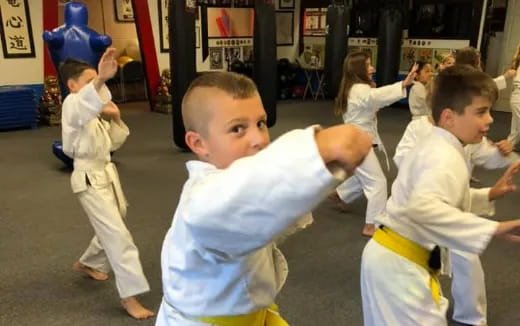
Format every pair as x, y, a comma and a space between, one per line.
89, 139
468, 286
432, 204
220, 264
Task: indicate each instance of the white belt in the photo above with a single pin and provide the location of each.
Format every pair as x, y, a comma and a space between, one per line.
110, 169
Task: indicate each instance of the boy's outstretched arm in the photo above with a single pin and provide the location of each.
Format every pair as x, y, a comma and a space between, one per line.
345, 145
107, 68
239, 209
505, 184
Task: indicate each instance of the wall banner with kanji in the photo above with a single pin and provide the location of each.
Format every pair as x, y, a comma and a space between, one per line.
16, 29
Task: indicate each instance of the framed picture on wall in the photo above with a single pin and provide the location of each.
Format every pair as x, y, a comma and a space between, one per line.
164, 35
16, 29
215, 59
284, 28
286, 4
124, 11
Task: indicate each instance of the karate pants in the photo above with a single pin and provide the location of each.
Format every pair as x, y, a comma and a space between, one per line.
396, 291
112, 244
369, 179
468, 289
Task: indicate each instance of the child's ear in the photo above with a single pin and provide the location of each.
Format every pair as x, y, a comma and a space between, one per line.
196, 143
71, 84
447, 117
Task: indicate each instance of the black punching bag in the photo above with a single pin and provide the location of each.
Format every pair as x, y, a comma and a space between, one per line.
182, 62
264, 43
336, 42
388, 45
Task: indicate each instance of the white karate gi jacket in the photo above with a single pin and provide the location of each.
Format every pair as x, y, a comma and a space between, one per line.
89, 140
363, 103
431, 204
417, 101
218, 257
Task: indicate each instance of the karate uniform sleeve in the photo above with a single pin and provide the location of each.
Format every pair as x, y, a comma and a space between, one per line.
235, 211
86, 105
480, 203
501, 82
118, 133
417, 100
487, 155
433, 206
377, 98
406, 144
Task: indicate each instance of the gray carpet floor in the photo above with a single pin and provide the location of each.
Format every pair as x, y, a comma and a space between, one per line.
43, 229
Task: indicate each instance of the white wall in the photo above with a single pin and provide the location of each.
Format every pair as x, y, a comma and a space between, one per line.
511, 41
25, 71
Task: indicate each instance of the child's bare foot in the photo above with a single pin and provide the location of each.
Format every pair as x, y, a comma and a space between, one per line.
135, 309
92, 273
475, 180
368, 230
340, 204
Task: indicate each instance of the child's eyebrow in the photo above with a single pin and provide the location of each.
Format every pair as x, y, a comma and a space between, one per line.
236, 120
483, 108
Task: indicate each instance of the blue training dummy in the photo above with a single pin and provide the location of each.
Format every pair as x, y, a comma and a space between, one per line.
74, 40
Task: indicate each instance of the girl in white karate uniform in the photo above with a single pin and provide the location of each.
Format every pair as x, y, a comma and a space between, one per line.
358, 102
514, 135
417, 98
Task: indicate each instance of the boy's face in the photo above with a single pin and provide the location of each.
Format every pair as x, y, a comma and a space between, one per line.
474, 124
86, 77
236, 128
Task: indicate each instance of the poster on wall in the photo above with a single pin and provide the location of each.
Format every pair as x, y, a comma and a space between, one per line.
215, 58
284, 27
164, 37
16, 29
230, 22
124, 11
286, 4
314, 21
233, 54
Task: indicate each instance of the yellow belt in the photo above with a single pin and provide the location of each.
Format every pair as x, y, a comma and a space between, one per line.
264, 317
411, 251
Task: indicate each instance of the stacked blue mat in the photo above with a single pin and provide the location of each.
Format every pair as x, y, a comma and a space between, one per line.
18, 108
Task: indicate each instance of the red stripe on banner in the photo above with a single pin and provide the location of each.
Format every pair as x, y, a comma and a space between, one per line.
221, 27
143, 25
50, 22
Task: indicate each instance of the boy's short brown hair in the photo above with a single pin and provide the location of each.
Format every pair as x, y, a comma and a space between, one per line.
467, 56
456, 86
72, 69
235, 85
